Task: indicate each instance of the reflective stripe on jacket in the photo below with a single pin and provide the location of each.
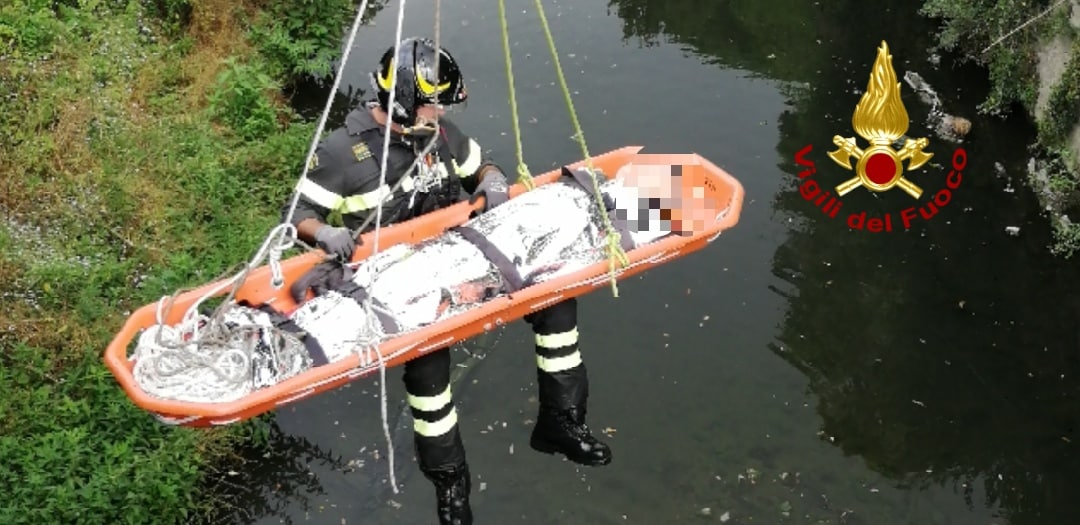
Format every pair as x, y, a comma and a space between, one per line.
343, 176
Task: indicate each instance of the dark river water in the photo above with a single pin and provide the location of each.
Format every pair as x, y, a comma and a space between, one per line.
795, 371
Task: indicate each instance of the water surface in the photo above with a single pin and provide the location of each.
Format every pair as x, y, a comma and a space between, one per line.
792, 372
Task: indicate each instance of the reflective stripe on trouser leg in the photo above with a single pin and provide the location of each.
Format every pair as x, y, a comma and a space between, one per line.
435, 428
560, 370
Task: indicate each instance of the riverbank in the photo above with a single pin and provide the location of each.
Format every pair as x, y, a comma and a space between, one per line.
1037, 69
141, 145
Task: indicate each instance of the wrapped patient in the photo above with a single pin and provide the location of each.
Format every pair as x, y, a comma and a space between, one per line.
550, 231
542, 234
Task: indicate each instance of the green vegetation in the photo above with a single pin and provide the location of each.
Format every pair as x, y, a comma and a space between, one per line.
145, 146
972, 25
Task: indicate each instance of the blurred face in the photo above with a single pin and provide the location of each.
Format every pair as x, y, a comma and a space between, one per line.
666, 200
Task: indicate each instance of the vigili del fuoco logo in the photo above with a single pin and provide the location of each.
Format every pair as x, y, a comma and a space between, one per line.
881, 120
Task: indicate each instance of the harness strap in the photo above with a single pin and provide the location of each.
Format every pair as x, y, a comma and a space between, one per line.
320, 279
315, 350
334, 276
512, 280
585, 180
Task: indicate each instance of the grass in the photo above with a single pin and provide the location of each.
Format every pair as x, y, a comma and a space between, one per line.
145, 146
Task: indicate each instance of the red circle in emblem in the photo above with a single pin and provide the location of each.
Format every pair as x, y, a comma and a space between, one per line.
880, 168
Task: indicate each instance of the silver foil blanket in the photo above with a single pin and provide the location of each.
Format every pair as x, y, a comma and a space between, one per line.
548, 232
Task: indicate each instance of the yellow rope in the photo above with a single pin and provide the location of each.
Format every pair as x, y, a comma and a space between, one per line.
522, 169
614, 248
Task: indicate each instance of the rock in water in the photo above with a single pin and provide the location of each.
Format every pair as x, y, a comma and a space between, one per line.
948, 127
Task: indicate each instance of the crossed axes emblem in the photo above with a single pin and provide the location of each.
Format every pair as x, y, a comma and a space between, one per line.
912, 150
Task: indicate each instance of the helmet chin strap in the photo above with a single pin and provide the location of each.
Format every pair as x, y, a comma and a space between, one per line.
423, 127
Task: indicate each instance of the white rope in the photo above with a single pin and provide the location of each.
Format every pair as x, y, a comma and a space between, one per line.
242, 353
375, 249
286, 231
277, 281
368, 307
326, 111
389, 121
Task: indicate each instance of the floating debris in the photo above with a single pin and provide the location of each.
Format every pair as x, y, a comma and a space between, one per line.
1012, 230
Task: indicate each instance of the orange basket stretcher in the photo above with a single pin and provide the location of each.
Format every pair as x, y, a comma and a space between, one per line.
719, 188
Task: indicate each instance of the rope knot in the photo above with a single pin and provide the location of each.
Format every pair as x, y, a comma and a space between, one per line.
615, 253
525, 177
285, 241
615, 250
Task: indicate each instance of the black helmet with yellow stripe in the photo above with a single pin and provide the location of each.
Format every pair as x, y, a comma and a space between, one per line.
417, 81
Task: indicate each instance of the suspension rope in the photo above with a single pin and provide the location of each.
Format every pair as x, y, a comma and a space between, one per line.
614, 248
285, 231
326, 110
368, 311
522, 170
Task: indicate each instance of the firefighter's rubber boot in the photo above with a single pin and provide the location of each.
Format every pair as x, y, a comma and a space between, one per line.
452, 487
565, 431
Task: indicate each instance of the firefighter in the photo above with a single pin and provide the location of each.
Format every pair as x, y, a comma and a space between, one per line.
344, 177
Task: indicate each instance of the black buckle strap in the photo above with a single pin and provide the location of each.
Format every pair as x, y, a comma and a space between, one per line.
315, 350
586, 181
357, 293
511, 277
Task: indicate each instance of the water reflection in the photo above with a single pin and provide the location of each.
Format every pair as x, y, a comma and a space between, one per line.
916, 347
287, 460
762, 37
943, 356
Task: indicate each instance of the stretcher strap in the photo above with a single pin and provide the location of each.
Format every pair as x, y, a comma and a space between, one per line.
357, 293
585, 180
315, 350
512, 280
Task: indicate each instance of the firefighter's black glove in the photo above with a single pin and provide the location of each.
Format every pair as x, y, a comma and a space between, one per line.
336, 241
494, 188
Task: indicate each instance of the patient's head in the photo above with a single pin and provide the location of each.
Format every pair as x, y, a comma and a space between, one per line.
657, 198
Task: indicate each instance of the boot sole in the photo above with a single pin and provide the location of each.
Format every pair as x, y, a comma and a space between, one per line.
545, 447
